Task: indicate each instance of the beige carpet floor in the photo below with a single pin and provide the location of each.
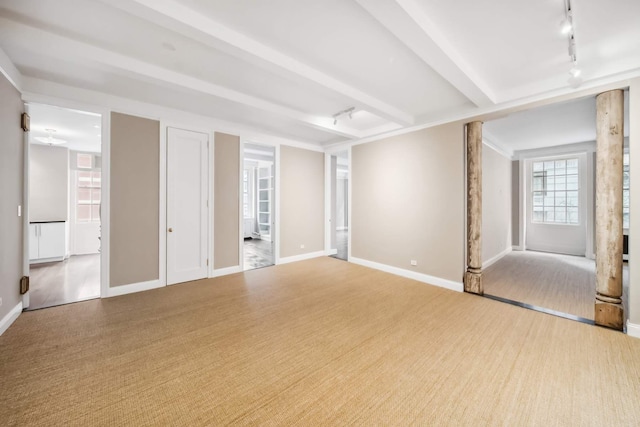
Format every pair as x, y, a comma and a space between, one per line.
318, 342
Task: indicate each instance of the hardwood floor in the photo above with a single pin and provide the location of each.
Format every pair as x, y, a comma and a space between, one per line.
257, 254
74, 279
562, 283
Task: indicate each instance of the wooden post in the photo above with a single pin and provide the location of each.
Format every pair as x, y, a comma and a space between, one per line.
473, 275
610, 149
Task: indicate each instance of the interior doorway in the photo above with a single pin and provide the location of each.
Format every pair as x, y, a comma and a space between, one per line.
339, 218
64, 194
258, 205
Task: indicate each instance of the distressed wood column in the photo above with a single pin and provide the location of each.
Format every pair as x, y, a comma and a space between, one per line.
610, 149
473, 275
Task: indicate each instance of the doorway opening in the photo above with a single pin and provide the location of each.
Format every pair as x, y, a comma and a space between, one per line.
64, 177
340, 205
258, 205
539, 209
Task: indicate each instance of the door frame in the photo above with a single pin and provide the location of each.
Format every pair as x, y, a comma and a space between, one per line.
105, 113
329, 198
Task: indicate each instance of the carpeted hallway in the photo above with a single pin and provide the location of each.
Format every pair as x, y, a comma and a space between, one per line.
318, 342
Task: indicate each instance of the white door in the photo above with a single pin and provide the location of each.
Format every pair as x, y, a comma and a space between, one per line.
187, 189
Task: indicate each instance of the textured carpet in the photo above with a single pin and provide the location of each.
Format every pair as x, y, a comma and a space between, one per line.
318, 342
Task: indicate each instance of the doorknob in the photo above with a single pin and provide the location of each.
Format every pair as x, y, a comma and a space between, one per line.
170, 230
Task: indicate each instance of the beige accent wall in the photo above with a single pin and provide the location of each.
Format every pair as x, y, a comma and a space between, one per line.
496, 203
634, 212
11, 189
515, 203
301, 201
48, 183
408, 201
135, 201
226, 224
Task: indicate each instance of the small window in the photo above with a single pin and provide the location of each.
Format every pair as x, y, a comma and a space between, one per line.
555, 192
88, 196
625, 191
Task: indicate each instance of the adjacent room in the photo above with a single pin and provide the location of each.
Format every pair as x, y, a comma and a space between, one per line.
319, 213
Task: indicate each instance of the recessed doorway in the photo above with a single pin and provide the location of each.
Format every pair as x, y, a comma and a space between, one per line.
64, 204
339, 195
258, 205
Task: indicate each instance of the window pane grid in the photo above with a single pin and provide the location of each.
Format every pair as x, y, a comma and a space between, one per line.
625, 191
555, 188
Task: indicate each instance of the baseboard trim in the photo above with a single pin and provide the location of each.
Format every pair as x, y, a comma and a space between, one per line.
10, 317
517, 248
331, 252
496, 258
633, 329
134, 287
301, 257
225, 271
420, 277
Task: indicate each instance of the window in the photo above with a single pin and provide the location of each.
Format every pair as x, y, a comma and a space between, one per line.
247, 194
625, 192
554, 189
88, 190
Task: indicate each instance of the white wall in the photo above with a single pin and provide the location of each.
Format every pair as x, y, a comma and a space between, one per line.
48, 183
496, 205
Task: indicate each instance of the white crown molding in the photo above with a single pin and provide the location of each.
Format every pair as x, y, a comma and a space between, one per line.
9, 70
491, 141
559, 150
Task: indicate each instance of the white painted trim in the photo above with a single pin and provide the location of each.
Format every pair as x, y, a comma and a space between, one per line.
329, 252
9, 70
301, 257
162, 205
490, 141
276, 246
25, 211
343, 228
241, 204
212, 201
349, 199
420, 277
556, 151
134, 287
497, 258
327, 202
105, 205
10, 317
633, 329
225, 271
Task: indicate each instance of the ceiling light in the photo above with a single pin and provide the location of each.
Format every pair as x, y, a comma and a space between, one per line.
345, 112
50, 139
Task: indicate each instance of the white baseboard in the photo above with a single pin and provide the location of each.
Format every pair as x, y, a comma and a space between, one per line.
421, 277
517, 248
302, 257
331, 252
342, 228
134, 287
227, 270
496, 258
10, 317
633, 329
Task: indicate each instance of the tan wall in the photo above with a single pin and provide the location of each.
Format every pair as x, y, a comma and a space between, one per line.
135, 190
226, 243
11, 189
515, 203
48, 183
301, 201
496, 203
408, 201
634, 211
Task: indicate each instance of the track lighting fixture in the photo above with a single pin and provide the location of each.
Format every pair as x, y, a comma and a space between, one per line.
346, 112
567, 28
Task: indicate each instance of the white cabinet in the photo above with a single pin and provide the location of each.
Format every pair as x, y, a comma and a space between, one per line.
46, 241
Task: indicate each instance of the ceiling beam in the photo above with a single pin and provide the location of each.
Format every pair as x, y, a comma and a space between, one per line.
407, 20
195, 25
51, 44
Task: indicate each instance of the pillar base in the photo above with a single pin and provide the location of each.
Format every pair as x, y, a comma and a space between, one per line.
609, 315
473, 283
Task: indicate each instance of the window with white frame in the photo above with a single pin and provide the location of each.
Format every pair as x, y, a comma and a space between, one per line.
625, 192
247, 193
88, 189
554, 191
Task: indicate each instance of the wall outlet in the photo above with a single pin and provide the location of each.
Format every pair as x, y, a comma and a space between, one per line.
414, 262
302, 246
19, 210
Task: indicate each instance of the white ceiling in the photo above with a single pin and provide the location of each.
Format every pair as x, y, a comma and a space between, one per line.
80, 130
285, 67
